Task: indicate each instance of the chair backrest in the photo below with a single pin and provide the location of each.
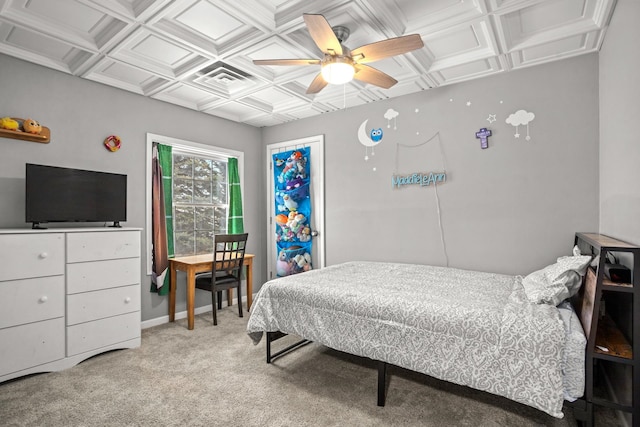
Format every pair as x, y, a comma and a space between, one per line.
229, 252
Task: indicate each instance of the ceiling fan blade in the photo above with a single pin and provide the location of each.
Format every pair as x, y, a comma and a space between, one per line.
322, 33
317, 84
386, 48
286, 61
368, 74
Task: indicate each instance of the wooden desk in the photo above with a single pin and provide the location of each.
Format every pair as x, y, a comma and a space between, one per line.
199, 264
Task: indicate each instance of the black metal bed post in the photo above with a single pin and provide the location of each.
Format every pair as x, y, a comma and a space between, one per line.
382, 382
269, 347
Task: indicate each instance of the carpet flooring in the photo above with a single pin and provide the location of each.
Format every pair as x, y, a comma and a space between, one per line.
215, 376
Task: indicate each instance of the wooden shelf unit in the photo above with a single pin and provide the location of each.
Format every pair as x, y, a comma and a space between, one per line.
44, 137
605, 340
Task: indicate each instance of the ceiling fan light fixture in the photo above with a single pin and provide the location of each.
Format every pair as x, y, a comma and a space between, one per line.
337, 70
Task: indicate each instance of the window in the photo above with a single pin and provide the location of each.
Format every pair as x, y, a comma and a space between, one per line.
200, 193
200, 202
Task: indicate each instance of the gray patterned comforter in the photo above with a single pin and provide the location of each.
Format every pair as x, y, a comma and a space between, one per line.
471, 328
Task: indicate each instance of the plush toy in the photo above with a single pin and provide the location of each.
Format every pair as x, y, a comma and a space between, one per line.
9, 124
289, 203
299, 260
296, 221
307, 264
294, 183
282, 266
281, 219
293, 168
304, 235
303, 262
292, 160
31, 126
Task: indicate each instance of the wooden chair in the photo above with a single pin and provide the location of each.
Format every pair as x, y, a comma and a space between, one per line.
226, 270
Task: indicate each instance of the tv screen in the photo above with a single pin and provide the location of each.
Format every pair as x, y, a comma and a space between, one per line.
56, 194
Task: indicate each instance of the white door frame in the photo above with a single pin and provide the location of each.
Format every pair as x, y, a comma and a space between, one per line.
317, 196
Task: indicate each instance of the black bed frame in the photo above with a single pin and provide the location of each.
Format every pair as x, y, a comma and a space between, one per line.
581, 410
382, 366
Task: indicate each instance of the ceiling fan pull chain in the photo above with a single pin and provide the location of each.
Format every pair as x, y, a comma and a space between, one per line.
344, 97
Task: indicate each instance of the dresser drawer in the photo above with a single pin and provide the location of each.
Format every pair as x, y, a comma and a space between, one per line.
102, 245
96, 305
31, 300
94, 275
30, 345
31, 255
100, 333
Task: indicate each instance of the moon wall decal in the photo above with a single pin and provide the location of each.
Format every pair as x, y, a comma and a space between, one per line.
364, 138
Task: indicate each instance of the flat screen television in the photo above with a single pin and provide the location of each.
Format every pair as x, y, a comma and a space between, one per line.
57, 194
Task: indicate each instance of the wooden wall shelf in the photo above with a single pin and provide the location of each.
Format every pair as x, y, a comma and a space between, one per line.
44, 137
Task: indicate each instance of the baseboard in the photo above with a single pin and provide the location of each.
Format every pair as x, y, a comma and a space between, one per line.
614, 398
183, 314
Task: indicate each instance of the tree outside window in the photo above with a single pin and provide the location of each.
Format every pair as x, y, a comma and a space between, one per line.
200, 202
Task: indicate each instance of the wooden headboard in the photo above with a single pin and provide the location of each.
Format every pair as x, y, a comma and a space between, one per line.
584, 302
603, 335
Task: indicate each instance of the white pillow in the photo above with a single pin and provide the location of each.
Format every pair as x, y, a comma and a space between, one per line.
557, 282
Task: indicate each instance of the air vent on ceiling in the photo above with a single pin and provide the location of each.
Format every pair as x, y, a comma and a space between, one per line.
224, 73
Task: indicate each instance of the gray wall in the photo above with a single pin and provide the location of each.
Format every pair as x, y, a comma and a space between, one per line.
511, 208
619, 112
619, 158
81, 114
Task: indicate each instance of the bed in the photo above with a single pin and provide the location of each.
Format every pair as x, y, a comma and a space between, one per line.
471, 328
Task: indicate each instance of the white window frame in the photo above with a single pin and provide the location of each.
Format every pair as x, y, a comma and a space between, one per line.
186, 147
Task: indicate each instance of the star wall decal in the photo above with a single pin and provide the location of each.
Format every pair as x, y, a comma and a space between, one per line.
491, 118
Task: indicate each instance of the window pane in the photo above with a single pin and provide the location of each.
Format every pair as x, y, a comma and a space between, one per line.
183, 218
220, 220
200, 202
220, 193
202, 192
219, 168
182, 190
202, 169
182, 166
204, 242
204, 218
184, 243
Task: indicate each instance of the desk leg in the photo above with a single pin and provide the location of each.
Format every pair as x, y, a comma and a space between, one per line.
191, 296
249, 284
172, 294
229, 296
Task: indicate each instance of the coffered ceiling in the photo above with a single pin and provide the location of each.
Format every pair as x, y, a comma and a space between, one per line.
199, 53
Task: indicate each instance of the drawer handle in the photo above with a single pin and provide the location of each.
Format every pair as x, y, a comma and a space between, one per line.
43, 298
127, 300
43, 255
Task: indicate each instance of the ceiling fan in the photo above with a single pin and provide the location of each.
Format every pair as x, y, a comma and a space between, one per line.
339, 64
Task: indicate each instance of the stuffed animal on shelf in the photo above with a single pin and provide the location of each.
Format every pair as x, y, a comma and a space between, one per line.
9, 124
32, 126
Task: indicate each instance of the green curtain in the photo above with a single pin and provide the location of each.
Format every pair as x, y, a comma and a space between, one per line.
235, 224
166, 165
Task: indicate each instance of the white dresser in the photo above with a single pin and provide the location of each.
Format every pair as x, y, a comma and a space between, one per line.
66, 295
